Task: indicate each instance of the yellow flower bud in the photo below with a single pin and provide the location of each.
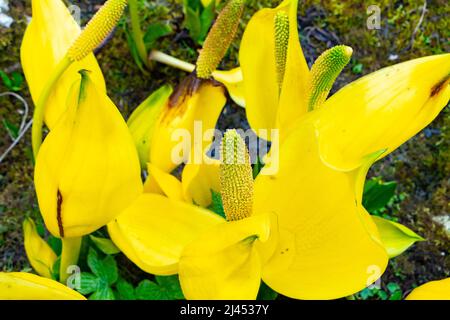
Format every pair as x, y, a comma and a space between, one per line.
40, 255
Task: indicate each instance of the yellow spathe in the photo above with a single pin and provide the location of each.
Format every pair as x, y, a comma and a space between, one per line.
153, 231
433, 290
27, 286
328, 246
382, 110
267, 106
223, 263
87, 170
194, 101
39, 254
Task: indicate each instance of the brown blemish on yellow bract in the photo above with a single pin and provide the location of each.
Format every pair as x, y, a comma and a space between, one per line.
59, 201
177, 103
440, 86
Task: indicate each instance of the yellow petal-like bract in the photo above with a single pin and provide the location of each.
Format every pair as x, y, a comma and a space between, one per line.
194, 102
164, 183
49, 35
153, 231
41, 256
87, 170
27, 286
266, 105
433, 290
395, 237
223, 263
199, 180
328, 247
382, 110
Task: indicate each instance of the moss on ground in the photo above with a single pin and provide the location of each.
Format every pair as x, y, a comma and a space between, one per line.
421, 166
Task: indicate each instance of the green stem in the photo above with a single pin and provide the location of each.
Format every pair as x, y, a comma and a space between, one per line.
136, 30
161, 57
39, 111
69, 256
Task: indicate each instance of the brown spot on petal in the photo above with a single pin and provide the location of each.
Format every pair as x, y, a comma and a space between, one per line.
187, 88
439, 86
59, 200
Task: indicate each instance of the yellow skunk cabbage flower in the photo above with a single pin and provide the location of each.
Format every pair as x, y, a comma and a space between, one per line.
41, 256
166, 235
393, 105
433, 290
198, 181
195, 102
273, 67
49, 35
97, 29
130, 230
87, 170
335, 145
27, 286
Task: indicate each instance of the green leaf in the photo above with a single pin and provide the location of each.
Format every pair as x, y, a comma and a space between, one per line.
6, 80
216, 205
392, 287
88, 283
396, 296
134, 51
148, 290
154, 32
13, 83
55, 243
192, 21
17, 79
357, 68
377, 194
104, 293
206, 19
105, 269
171, 286
105, 245
382, 295
266, 293
366, 294
55, 269
110, 268
11, 128
125, 290
395, 237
